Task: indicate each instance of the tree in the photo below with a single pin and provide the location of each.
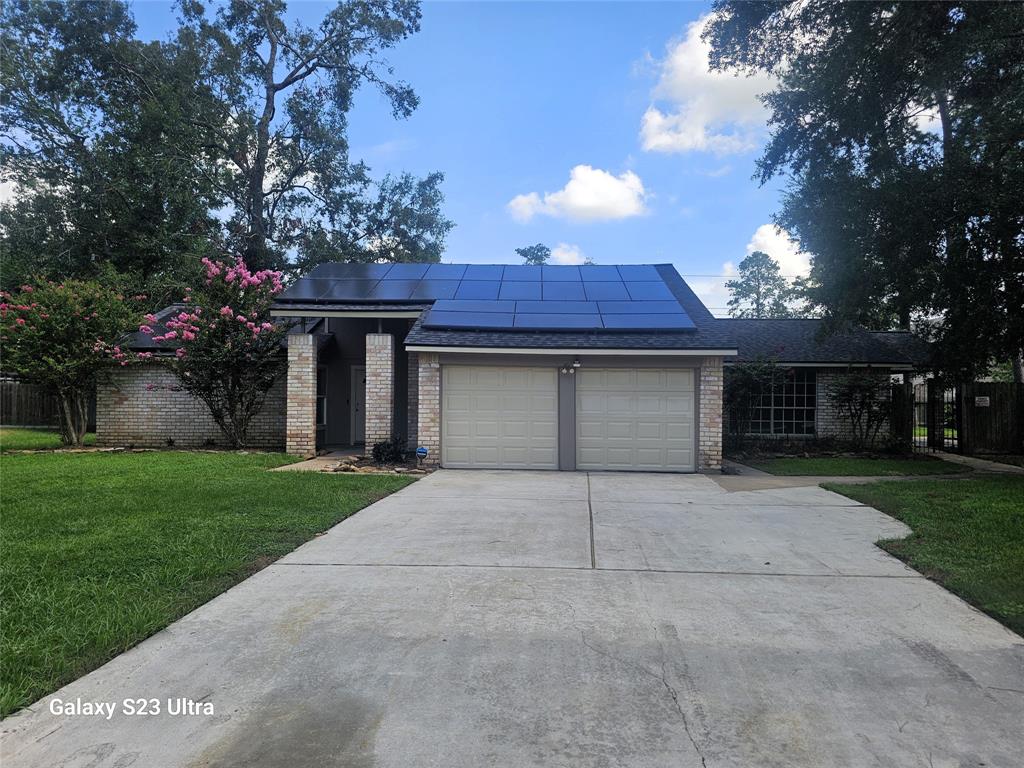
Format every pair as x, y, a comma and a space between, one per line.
275, 101
535, 254
62, 337
760, 290
863, 399
87, 115
899, 128
227, 350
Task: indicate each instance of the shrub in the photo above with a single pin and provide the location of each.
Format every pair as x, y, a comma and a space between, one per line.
389, 451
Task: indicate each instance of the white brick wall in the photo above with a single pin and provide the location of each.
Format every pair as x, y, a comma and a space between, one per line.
428, 429
829, 422
711, 422
412, 397
380, 387
143, 406
301, 408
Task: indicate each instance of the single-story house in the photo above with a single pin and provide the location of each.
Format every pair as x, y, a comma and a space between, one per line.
511, 366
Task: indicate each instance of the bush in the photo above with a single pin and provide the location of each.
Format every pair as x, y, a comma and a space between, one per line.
389, 452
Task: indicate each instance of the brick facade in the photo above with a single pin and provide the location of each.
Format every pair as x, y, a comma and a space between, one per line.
143, 406
300, 437
428, 425
709, 441
380, 387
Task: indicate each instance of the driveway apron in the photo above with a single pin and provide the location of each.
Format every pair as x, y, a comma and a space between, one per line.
485, 618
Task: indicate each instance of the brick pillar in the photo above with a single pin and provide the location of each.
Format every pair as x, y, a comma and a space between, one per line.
380, 387
300, 430
428, 423
412, 397
711, 422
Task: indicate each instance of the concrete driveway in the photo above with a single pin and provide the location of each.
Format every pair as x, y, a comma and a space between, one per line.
544, 619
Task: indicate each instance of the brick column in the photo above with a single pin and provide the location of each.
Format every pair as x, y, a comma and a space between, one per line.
711, 422
428, 423
380, 387
412, 397
300, 429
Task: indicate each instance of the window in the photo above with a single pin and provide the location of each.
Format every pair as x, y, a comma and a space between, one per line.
788, 409
321, 396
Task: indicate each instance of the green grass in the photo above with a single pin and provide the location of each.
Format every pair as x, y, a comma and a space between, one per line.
968, 536
33, 439
856, 466
923, 432
100, 550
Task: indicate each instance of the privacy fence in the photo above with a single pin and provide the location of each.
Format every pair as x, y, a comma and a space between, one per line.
26, 405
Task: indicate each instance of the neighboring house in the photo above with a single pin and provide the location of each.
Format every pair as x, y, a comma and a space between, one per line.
553, 367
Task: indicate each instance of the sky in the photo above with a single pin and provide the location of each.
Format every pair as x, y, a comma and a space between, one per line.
595, 128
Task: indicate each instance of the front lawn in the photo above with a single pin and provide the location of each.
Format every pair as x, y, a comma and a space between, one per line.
100, 550
855, 466
34, 439
968, 536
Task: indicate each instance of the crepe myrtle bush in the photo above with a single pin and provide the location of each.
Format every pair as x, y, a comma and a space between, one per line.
62, 337
226, 350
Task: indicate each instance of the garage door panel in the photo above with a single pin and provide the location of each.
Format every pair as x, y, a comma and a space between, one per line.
503, 417
635, 419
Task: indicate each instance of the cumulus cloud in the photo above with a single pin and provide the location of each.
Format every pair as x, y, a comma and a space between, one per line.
777, 243
591, 194
565, 253
712, 290
702, 110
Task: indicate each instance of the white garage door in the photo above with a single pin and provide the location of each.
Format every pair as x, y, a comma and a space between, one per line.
494, 417
635, 419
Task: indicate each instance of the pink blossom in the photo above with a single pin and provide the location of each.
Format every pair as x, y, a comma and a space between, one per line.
146, 330
188, 336
179, 353
241, 318
171, 335
20, 321
266, 326
27, 288
151, 319
227, 311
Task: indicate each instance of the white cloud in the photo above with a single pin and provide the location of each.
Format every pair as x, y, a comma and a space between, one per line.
712, 290
565, 253
705, 111
777, 243
590, 195
9, 192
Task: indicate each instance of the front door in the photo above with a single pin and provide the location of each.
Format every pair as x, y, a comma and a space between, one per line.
357, 417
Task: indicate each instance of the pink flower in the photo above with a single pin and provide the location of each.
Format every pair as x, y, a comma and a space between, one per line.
146, 330
171, 335
188, 336
241, 318
151, 319
227, 311
20, 321
179, 353
266, 326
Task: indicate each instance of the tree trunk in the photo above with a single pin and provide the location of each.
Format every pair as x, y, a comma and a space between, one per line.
1018, 367
256, 246
72, 407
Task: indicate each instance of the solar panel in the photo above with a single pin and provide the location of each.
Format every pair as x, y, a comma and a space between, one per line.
594, 273
557, 322
395, 290
648, 322
558, 307
517, 290
605, 291
639, 307
406, 271
352, 290
521, 272
478, 289
341, 271
445, 272
455, 305
559, 273
563, 292
436, 289
468, 320
483, 272
638, 272
306, 289
648, 291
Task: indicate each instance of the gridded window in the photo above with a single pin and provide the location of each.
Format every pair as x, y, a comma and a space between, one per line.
789, 408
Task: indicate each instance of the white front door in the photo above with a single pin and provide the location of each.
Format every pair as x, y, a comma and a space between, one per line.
635, 419
499, 417
357, 417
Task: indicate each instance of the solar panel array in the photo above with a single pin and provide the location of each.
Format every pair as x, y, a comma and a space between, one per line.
496, 296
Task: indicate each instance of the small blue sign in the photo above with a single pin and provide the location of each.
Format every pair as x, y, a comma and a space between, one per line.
422, 452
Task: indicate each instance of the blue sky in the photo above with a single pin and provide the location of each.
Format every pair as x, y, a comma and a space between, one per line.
594, 128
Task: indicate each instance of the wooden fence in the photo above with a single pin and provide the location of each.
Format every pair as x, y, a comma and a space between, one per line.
991, 417
25, 405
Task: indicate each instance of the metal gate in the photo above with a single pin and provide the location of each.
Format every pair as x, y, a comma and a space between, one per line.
937, 417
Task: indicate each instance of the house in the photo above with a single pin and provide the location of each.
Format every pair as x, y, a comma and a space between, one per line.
509, 366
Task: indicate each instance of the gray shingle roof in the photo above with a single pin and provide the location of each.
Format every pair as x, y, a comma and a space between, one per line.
804, 341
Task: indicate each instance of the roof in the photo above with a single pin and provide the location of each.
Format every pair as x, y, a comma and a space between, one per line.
806, 341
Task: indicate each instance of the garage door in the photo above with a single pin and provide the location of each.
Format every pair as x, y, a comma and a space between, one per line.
635, 419
505, 418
